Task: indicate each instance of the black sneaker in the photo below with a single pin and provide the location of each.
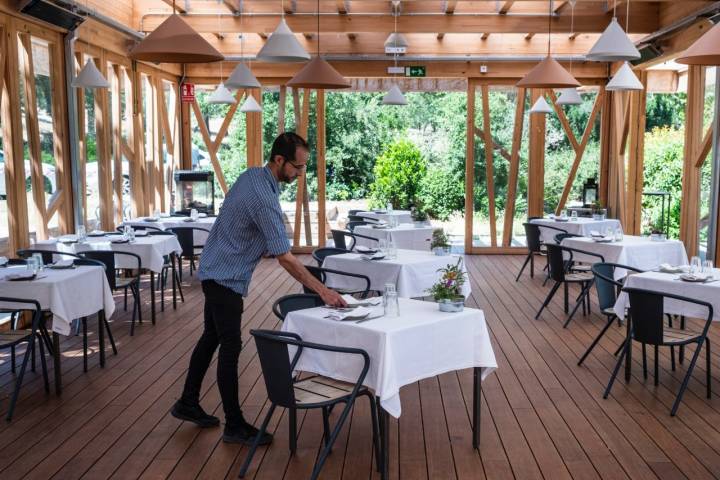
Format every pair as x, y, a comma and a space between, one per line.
245, 434
194, 414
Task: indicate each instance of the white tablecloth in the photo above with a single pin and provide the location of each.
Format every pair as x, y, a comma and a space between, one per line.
402, 216
668, 283
150, 248
407, 235
163, 223
582, 226
421, 343
412, 272
68, 294
638, 252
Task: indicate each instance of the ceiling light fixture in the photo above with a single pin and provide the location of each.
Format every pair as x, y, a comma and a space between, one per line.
221, 94
318, 73
570, 96
394, 96
282, 46
90, 77
541, 106
250, 105
624, 79
614, 45
705, 50
241, 76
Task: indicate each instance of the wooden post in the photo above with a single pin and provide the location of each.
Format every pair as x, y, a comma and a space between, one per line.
320, 151
514, 168
605, 146
186, 134
62, 198
489, 161
281, 109
136, 135
690, 205
82, 144
616, 168
117, 86
104, 156
469, 165
253, 126
536, 161
636, 158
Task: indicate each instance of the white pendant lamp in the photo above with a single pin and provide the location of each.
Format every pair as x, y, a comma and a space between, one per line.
90, 77
394, 96
282, 47
250, 105
242, 77
396, 39
569, 96
541, 106
624, 80
221, 95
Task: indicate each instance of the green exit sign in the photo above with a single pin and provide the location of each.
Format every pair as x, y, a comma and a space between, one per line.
415, 71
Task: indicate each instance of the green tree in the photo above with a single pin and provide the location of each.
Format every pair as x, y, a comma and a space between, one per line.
398, 173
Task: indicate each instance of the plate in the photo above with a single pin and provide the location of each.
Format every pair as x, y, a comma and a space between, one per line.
376, 256
689, 277
602, 239
363, 249
188, 219
150, 219
61, 265
96, 234
119, 240
141, 233
560, 219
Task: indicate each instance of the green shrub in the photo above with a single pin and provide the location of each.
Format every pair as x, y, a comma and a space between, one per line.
442, 193
398, 173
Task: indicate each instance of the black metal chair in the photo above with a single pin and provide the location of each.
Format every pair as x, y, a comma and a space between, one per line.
143, 228
343, 238
47, 255
360, 218
168, 266
186, 238
559, 272
314, 392
607, 289
647, 326
295, 301
320, 254
322, 274
351, 225
354, 212
575, 266
107, 258
13, 338
535, 247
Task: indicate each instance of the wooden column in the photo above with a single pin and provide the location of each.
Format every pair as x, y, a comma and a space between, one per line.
536, 161
636, 159
82, 142
489, 163
253, 128
605, 146
616, 168
136, 136
186, 135
104, 148
469, 165
321, 167
690, 204
62, 199
117, 86
514, 167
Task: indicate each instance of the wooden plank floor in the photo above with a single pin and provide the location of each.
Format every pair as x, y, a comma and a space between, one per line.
542, 415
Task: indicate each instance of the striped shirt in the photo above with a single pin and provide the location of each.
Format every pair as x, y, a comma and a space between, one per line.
250, 224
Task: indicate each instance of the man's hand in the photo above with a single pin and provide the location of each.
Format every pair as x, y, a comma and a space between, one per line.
332, 298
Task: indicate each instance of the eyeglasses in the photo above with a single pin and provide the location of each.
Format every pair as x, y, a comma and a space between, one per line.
296, 167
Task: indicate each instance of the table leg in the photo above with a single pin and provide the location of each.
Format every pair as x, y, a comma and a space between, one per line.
477, 400
152, 296
628, 357
172, 274
101, 336
56, 363
383, 424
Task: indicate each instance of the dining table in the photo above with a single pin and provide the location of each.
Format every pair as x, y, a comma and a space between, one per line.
641, 253
409, 236
165, 221
412, 271
67, 293
420, 342
583, 226
388, 216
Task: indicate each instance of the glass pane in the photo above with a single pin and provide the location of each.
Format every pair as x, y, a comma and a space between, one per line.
706, 171
4, 191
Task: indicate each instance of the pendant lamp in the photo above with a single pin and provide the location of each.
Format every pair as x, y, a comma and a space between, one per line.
90, 77
250, 105
624, 80
221, 95
705, 50
541, 106
318, 73
548, 73
394, 96
242, 77
282, 47
396, 39
613, 45
569, 96
174, 41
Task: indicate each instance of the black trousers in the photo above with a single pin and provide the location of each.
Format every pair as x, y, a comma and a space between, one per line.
223, 315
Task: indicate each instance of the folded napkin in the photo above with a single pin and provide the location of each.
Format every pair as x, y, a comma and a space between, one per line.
68, 238
667, 268
63, 264
364, 249
348, 314
365, 302
374, 256
50, 241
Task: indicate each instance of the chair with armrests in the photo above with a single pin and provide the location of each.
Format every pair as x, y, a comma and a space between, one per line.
607, 288
647, 326
13, 338
559, 272
107, 258
48, 256
360, 218
169, 265
535, 247
186, 238
575, 266
295, 301
354, 211
351, 225
88, 262
347, 240
142, 228
322, 274
285, 390
320, 254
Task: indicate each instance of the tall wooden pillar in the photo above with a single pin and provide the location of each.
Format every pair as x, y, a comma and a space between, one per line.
636, 158
254, 136
690, 205
616, 189
536, 161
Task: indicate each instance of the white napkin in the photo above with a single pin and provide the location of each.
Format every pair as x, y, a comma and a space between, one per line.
50, 241
667, 268
350, 300
355, 313
374, 256
69, 238
63, 263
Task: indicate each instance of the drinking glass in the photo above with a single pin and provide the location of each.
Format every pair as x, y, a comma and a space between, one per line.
695, 265
382, 245
563, 213
391, 304
610, 232
194, 214
574, 216
392, 249
32, 265
619, 235
156, 213
707, 268
81, 233
389, 207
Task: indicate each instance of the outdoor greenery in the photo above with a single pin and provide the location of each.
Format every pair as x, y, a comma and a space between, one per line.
415, 155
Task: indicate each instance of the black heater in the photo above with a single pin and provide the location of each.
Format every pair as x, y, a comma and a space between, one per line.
194, 189
590, 193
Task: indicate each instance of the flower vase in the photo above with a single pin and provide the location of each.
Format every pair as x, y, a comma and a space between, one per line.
451, 305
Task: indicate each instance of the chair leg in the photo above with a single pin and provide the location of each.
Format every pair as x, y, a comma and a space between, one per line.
12, 359
548, 298
672, 358
83, 320
657, 369
707, 367
255, 443
527, 260
19, 379
611, 318
132, 322
292, 419
583, 294
626, 346
644, 361
43, 364
681, 355
110, 335
32, 358
179, 289
686, 380
161, 282
619, 349
328, 448
136, 301
375, 430
566, 304
125, 301
326, 425
532, 265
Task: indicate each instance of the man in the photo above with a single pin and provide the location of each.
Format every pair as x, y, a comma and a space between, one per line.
249, 226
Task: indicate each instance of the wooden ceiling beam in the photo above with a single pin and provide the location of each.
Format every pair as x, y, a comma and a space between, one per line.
440, 23
529, 36
560, 6
449, 6
235, 6
290, 7
343, 6
179, 8
440, 36
506, 7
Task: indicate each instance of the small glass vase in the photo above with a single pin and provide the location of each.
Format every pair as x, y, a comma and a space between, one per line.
441, 251
451, 305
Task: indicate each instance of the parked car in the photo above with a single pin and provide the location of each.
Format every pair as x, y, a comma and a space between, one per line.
48, 177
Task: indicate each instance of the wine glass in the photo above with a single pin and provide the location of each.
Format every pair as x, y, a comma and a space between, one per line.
574, 216
695, 265
708, 268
